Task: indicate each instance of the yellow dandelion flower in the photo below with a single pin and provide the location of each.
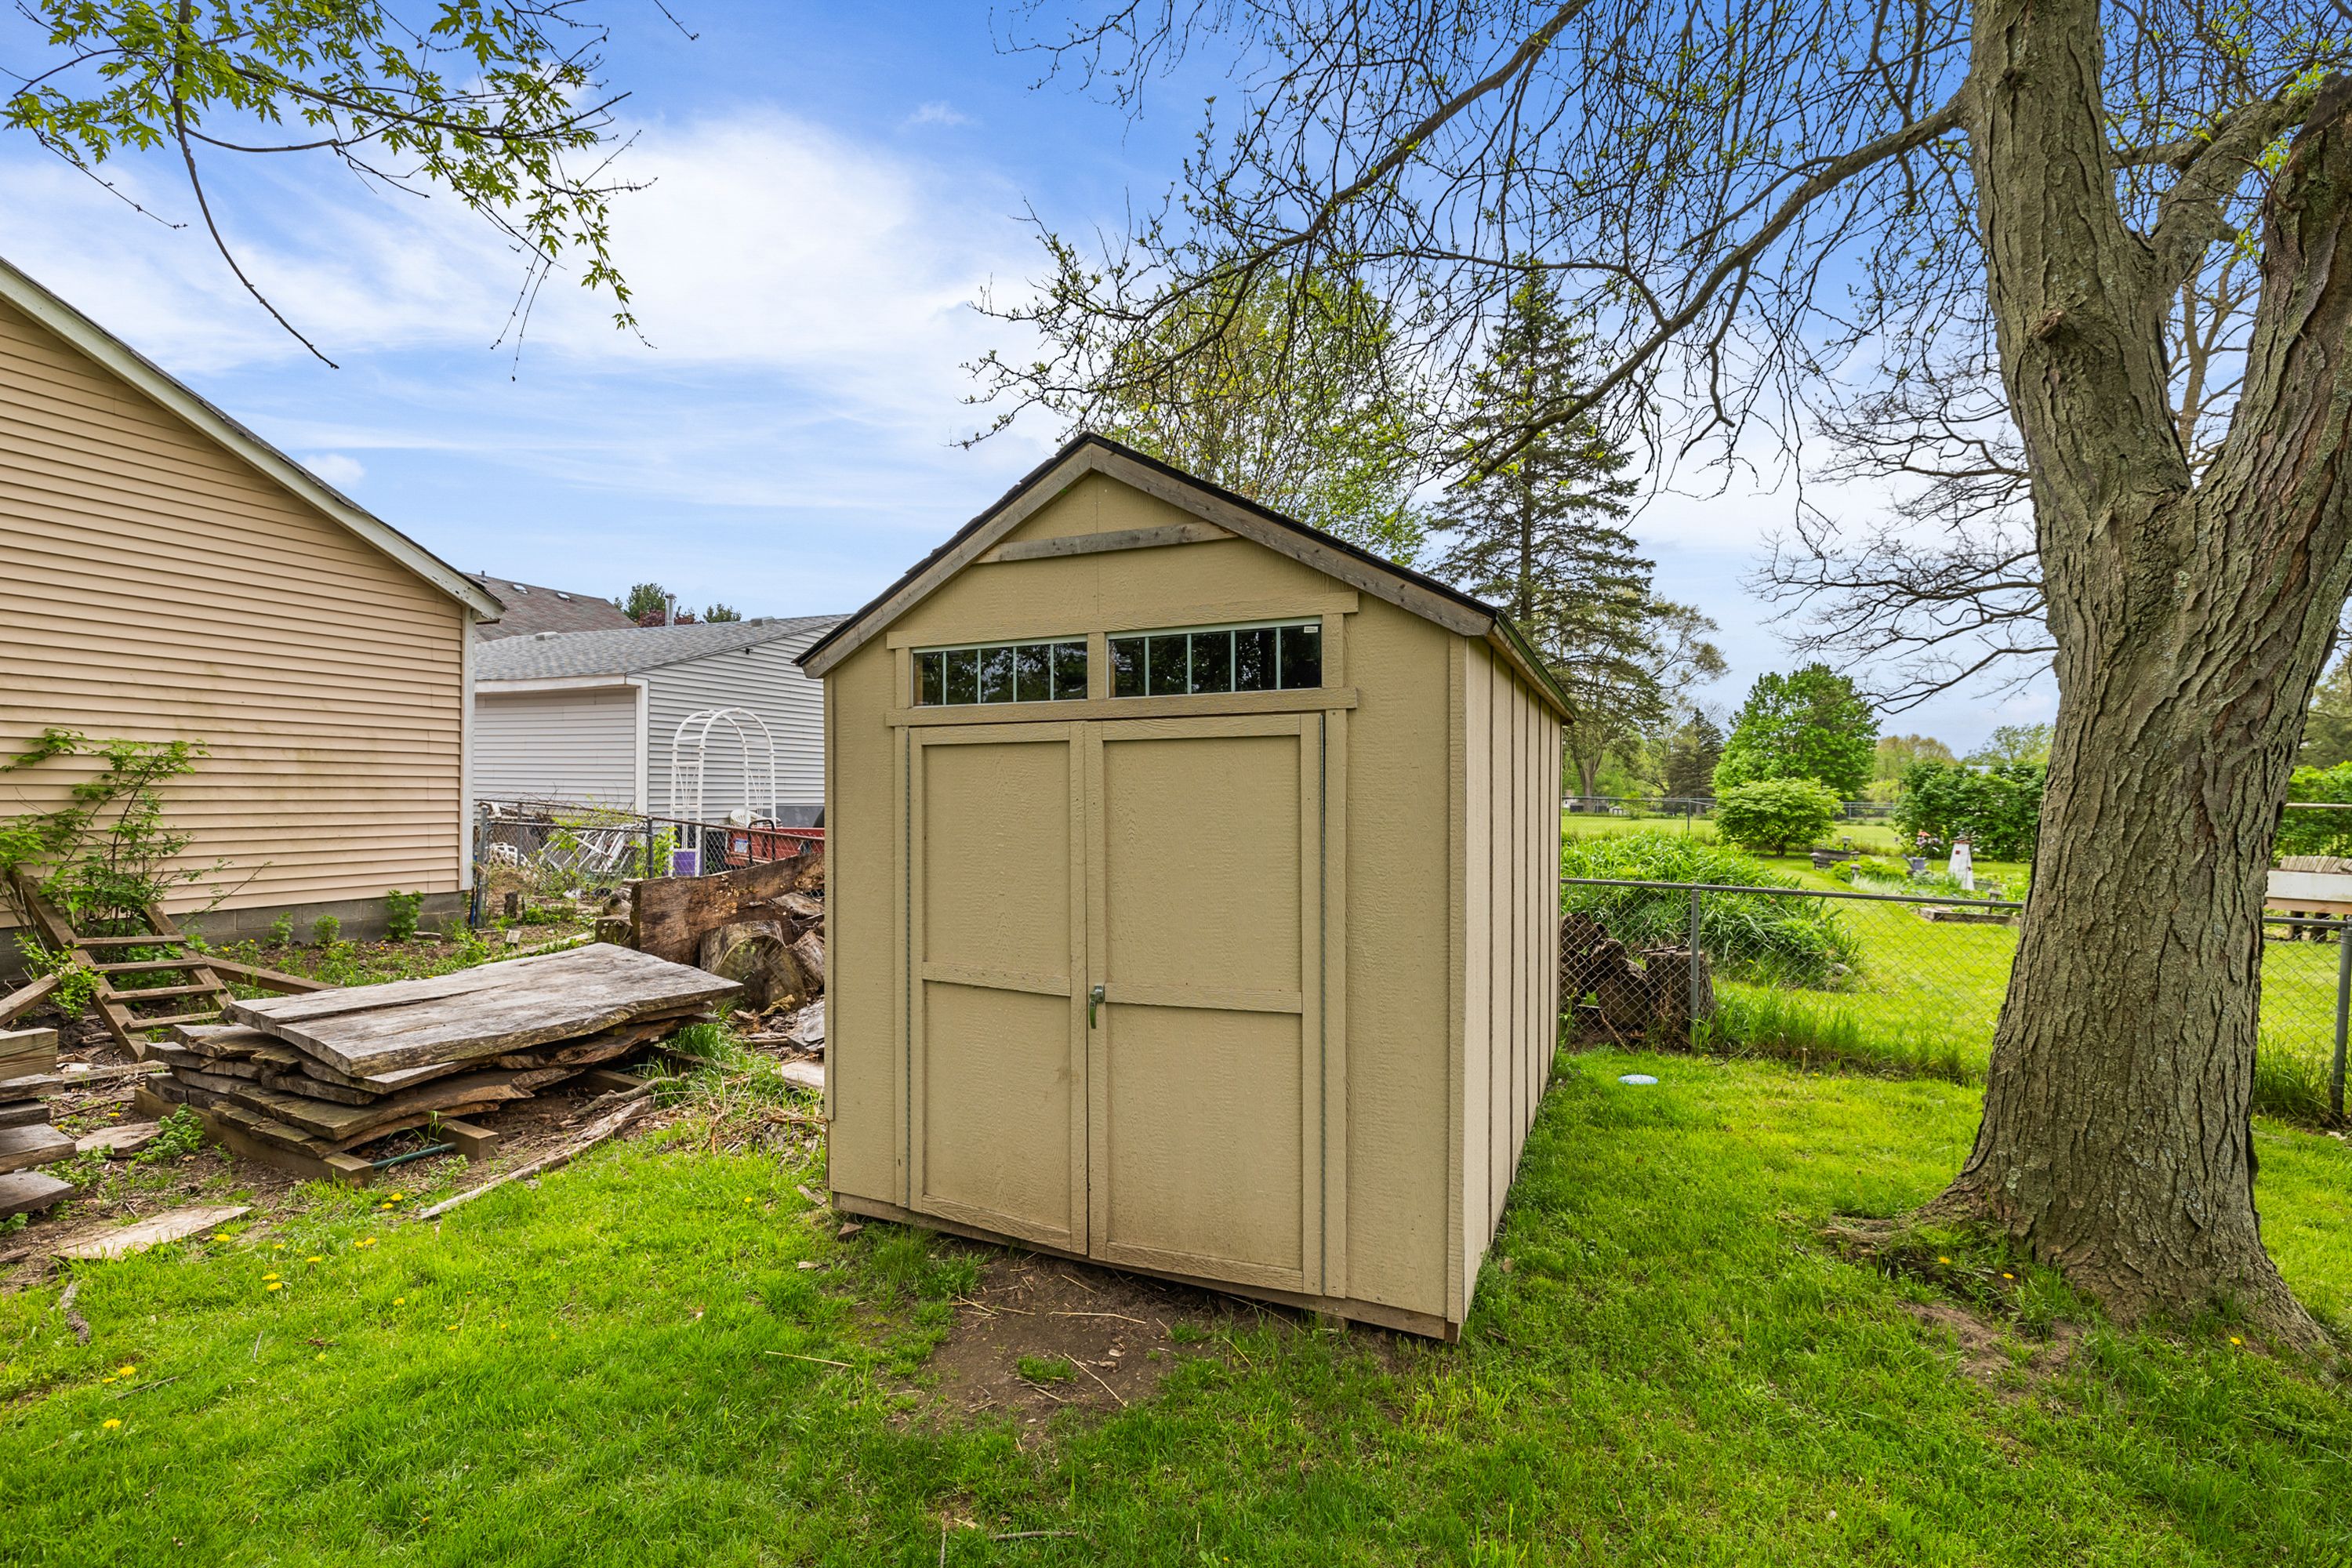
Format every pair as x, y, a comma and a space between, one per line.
270, 1277
110, 1425
1943, 1260
274, 1284
364, 1241
400, 1301
2009, 1275
126, 1370
314, 1257
277, 1247
2236, 1341
322, 1356
399, 1197
220, 1235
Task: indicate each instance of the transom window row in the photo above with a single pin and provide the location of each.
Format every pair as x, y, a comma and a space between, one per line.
1275, 656
1002, 672
1282, 656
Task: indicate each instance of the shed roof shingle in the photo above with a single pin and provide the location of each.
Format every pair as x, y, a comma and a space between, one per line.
630, 650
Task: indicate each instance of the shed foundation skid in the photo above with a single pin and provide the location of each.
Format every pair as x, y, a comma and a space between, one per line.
1375, 1313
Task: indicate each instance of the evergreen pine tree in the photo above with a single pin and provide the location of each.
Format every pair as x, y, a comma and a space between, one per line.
1541, 536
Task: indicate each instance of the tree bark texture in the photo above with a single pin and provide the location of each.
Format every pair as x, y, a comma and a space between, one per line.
2190, 619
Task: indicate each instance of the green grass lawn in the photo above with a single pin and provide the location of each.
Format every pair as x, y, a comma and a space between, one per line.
1675, 1368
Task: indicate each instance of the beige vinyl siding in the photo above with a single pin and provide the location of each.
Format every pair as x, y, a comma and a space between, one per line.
155, 585
763, 678
557, 745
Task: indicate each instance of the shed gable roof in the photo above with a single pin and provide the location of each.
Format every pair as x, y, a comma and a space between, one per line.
143, 374
630, 650
1427, 597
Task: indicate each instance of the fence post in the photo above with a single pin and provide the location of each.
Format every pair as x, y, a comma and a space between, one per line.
2342, 1017
1690, 1003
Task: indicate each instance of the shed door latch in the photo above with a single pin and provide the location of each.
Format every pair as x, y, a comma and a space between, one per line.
1094, 1000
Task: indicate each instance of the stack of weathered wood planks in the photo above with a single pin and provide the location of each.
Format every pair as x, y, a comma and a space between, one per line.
316, 1075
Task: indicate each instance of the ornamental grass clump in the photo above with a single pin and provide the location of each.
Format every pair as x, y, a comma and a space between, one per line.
1774, 940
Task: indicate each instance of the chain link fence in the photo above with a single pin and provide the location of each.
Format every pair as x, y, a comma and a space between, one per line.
1900, 981
546, 848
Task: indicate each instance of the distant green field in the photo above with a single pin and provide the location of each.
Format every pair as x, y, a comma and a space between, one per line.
1925, 996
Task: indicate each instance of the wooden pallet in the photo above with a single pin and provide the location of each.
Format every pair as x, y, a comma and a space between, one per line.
198, 998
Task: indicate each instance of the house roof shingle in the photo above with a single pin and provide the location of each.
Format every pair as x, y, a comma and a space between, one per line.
631, 650
530, 607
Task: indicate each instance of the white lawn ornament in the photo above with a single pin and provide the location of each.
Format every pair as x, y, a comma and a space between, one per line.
1963, 866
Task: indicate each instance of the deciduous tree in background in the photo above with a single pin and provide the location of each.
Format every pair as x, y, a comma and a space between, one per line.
1808, 724
503, 106
1762, 206
646, 604
2327, 728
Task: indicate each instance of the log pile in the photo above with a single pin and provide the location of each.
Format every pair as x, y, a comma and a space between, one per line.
761, 926
314, 1075
1607, 990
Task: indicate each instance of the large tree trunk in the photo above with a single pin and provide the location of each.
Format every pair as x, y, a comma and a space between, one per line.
2192, 619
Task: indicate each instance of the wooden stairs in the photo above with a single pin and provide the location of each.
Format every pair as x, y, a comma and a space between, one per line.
195, 996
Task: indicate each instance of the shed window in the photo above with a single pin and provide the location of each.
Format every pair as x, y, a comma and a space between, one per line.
1002, 672
1282, 657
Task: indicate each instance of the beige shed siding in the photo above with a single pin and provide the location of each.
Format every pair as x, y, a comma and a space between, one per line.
1510, 893
1446, 782
557, 745
156, 586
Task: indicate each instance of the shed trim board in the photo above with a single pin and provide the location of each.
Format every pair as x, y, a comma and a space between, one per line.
1089, 454
1248, 989
130, 365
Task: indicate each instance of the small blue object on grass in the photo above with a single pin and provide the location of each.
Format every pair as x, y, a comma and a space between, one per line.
1635, 1077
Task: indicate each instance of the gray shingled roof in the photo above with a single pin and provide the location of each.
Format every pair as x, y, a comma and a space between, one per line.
631, 649
532, 607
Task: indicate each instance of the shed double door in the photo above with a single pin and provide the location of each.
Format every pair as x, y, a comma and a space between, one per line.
1115, 938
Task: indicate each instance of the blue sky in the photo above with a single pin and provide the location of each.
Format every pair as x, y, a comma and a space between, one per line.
832, 186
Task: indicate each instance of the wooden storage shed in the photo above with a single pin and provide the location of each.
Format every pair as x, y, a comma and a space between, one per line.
1194, 896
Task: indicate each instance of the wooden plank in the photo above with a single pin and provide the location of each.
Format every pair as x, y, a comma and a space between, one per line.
25, 997
29, 1192
48, 1083
343, 1125
673, 914
326, 1166
27, 1051
118, 1141
158, 1230
267, 979
35, 1143
1097, 543
21, 1113
369, 1030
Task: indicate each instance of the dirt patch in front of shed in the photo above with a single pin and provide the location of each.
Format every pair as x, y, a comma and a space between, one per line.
1041, 1334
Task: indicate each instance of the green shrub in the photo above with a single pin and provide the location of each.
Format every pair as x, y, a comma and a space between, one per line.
400, 914
1999, 807
1774, 816
325, 929
281, 929
1796, 942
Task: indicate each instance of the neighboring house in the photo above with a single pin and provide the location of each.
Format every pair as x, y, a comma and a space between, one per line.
590, 716
165, 573
530, 609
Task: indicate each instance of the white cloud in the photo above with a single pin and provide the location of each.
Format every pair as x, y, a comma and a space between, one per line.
938, 111
343, 473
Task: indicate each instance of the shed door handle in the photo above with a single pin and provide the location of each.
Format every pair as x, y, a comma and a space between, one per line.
1094, 1000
